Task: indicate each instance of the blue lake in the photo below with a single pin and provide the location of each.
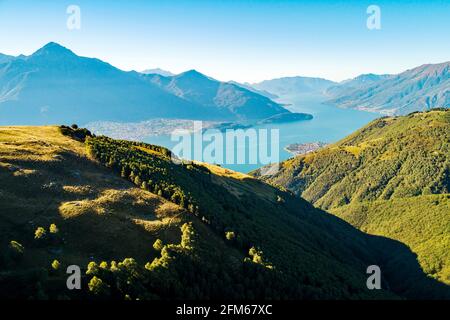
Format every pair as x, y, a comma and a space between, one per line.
330, 124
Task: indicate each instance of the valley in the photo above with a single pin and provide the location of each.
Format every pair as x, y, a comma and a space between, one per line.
329, 124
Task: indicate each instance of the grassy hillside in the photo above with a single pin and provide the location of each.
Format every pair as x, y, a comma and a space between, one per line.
103, 204
422, 222
391, 178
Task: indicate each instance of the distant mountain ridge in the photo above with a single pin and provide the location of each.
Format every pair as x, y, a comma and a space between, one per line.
5, 58
422, 88
359, 82
294, 85
54, 85
232, 100
159, 71
248, 86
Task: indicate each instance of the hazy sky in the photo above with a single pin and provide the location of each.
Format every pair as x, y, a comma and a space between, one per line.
241, 40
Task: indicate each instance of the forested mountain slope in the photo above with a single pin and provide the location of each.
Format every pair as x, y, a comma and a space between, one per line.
390, 178
221, 235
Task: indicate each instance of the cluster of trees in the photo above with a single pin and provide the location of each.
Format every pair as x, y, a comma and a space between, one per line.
257, 256
48, 237
180, 272
75, 132
13, 253
32, 283
147, 166
188, 184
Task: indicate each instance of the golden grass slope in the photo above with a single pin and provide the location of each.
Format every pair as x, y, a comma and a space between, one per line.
47, 178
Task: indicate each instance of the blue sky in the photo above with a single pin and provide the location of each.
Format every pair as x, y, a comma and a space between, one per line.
237, 40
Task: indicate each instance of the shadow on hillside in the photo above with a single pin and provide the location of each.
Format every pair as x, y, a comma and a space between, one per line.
92, 236
400, 269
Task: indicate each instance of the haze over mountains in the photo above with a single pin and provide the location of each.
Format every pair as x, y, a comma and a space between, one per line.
248, 86
159, 71
5, 58
54, 85
350, 85
422, 88
294, 85
418, 89
228, 98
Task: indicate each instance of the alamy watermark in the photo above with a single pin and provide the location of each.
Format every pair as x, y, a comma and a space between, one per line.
374, 280
249, 146
74, 279
74, 19
374, 19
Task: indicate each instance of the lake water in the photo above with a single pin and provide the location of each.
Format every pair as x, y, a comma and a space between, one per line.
330, 124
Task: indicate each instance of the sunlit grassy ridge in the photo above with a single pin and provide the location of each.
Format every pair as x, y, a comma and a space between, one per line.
47, 178
104, 205
389, 178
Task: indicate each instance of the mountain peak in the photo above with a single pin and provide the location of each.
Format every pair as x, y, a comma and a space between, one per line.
193, 73
53, 49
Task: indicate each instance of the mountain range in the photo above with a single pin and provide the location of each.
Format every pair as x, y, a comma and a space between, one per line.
231, 100
354, 84
54, 85
422, 88
289, 86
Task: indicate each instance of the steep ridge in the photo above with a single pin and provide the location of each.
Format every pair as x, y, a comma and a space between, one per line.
419, 89
346, 87
390, 178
